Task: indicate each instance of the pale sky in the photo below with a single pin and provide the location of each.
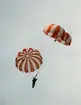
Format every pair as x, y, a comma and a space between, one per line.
22, 24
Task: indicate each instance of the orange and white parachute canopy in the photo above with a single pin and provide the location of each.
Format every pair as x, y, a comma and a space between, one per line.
28, 60
58, 33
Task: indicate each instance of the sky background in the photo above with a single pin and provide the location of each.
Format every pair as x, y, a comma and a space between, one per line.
21, 26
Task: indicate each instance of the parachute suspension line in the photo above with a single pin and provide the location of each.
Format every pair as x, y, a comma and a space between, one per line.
34, 75
37, 73
31, 73
55, 40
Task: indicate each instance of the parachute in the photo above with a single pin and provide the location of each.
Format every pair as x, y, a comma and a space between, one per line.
28, 60
58, 33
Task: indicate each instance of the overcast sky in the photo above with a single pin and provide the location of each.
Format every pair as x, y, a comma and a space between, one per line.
21, 26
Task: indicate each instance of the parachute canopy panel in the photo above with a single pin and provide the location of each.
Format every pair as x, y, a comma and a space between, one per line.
28, 60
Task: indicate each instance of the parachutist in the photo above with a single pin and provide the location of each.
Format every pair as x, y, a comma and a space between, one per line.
34, 81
